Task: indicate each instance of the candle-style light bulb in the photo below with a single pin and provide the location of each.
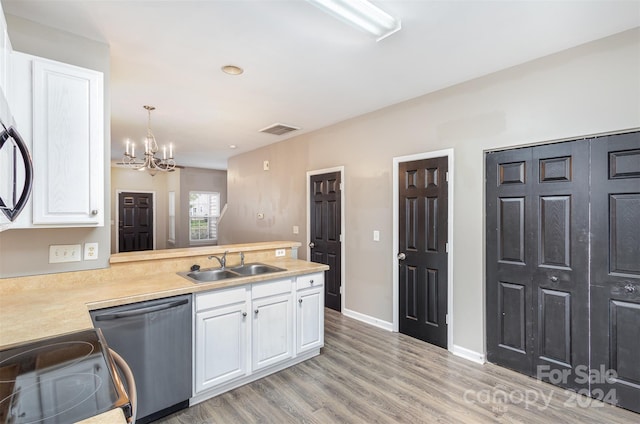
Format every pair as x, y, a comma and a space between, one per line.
164, 152
133, 150
127, 148
170, 150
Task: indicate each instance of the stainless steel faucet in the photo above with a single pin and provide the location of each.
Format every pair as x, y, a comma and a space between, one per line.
222, 260
241, 258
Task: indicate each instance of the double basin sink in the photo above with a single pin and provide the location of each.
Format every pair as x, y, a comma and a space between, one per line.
217, 274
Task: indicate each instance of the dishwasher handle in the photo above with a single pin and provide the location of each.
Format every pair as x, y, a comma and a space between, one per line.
141, 311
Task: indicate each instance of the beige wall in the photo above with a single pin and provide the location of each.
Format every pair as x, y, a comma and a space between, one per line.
181, 181
587, 90
131, 180
26, 252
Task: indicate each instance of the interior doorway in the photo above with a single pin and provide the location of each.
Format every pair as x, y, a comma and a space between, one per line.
325, 229
136, 221
423, 248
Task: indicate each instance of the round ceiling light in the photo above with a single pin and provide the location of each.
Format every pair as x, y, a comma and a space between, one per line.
232, 70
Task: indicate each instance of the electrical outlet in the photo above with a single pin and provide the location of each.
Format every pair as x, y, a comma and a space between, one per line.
64, 253
90, 251
280, 252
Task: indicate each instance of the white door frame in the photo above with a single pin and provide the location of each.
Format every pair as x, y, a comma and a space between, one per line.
343, 236
396, 217
117, 221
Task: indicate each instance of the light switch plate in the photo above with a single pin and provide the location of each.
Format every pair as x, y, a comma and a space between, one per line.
296, 229
265, 165
376, 235
64, 253
90, 251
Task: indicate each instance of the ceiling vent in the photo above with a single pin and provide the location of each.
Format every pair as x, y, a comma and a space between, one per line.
279, 129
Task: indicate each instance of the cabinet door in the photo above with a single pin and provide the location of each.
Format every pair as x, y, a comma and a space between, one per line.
272, 330
310, 319
221, 345
68, 144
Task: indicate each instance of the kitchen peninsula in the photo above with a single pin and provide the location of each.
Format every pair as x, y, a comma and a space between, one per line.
36, 307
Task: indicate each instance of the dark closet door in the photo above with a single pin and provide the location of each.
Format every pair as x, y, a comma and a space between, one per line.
615, 269
509, 232
537, 260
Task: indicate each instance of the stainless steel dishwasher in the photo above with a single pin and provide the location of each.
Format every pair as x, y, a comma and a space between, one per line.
154, 338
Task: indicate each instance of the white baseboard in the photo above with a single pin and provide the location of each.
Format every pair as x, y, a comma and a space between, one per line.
469, 354
367, 319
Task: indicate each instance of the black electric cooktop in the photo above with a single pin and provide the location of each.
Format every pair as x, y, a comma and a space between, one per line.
63, 379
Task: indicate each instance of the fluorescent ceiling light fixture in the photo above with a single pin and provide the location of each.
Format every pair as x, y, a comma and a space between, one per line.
361, 14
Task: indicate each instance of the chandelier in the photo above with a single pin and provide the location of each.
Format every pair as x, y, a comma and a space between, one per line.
150, 163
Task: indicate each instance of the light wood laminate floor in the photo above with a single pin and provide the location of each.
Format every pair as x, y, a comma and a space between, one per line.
368, 375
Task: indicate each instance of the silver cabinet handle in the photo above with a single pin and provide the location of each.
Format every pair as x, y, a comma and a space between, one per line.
312, 245
244, 314
300, 301
402, 256
94, 212
311, 282
256, 311
553, 278
629, 288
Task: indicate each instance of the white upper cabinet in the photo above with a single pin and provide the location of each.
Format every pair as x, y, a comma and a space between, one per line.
67, 144
59, 110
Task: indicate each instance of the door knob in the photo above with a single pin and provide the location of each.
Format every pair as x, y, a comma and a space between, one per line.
402, 256
312, 245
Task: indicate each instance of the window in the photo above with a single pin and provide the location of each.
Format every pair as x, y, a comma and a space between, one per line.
204, 211
172, 217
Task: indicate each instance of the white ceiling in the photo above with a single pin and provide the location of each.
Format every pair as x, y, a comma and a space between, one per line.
302, 67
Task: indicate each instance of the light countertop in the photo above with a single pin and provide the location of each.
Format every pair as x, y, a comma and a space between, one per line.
30, 313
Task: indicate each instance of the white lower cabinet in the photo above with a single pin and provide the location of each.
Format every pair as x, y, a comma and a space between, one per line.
310, 313
222, 337
272, 339
247, 332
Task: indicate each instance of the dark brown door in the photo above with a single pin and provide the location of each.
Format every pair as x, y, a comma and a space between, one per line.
422, 257
136, 221
615, 270
537, 238
325, 232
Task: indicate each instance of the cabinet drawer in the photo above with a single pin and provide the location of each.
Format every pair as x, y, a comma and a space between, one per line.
220, 297
311, 280
270, 288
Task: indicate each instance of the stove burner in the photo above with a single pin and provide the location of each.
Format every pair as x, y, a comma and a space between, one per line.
65, 378
42, 401
62, 355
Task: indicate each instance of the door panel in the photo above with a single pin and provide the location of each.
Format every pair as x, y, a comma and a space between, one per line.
537, 260
136, 221
423, 236
509, 286
560, 193
615, 268
325, 227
